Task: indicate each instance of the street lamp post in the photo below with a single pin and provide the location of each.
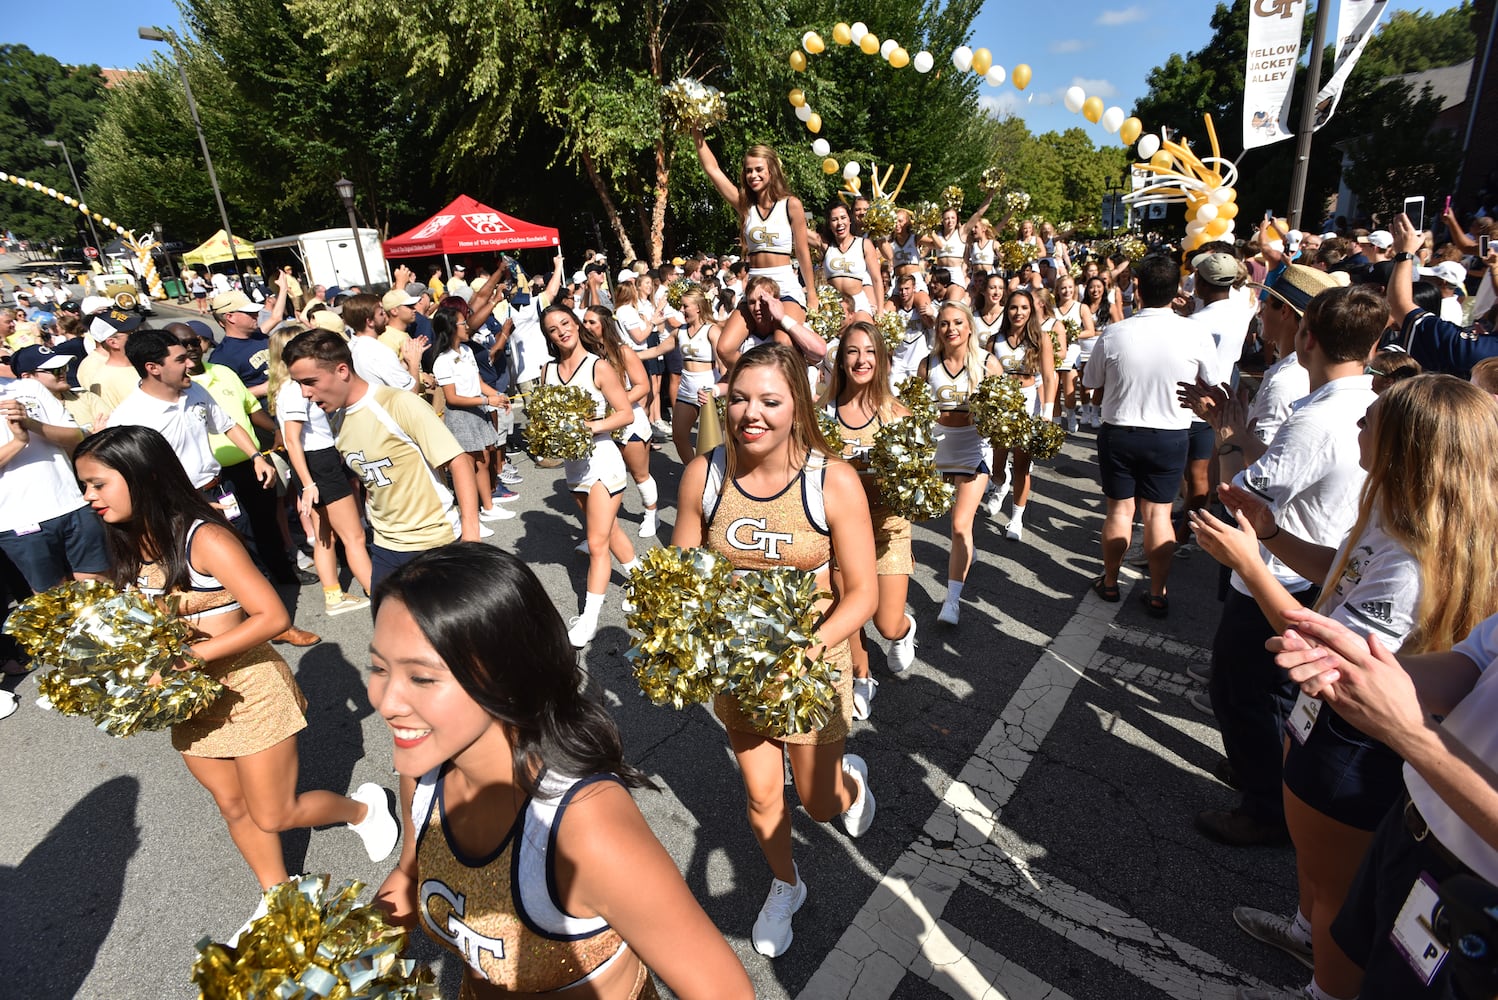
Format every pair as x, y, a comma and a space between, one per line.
77, 189
157, 35
345, 189
171, 269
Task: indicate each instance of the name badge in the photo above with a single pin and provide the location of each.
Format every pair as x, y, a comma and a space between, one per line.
1303, 717
28, 529
1413, 934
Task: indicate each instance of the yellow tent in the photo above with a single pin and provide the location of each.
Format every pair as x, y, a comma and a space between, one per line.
215, 250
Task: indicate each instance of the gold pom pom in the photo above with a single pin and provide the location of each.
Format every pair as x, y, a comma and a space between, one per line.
1046, 438
892, 328
993, 180
1016, 203
677, 290
311, 944
559, 416
915, 393
676, 592
903, 460
879, 221
829, 318
693, 105
831, 432
951, 197
998, 409
1016, 255
926, 218
772, 617
117, 657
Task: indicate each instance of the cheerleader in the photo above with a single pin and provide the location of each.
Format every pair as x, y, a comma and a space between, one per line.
989, 315
1076, 321
962, 456
919, 313
595, 481
950, 243
164, 537
597, 336
903, 251
773, 497
1026, 353
983, 250
850, 263
860, 400
525, 854
773, 224
699, 377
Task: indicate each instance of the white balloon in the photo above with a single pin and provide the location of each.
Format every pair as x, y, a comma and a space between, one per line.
995, 76
1220, 195
1194, 228
923, 62
1074, 98
858, 30
52, 192
821, 147
962, 58
850, 170
1113, 118
803, 112
887, 47
1149, 145
1206, 213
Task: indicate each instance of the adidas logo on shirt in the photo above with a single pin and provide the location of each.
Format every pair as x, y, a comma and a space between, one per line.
1381, 610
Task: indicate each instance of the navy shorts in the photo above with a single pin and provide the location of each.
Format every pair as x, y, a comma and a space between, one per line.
67, 544
382, 563
1201, 442
328, 474
1141, 462
674, 361
1343, 773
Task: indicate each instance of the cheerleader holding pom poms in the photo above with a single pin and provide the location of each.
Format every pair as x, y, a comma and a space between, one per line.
773, 497
525, 854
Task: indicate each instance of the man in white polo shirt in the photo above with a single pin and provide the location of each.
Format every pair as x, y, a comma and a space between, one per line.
1143, 442
373, 361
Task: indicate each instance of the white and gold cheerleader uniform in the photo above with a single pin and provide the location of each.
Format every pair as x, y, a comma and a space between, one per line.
850, 263
697, 347
772, 234
960, 451
606, 464
1017, 362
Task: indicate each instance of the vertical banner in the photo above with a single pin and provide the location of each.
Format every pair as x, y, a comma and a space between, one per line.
1356, 20
1274, 28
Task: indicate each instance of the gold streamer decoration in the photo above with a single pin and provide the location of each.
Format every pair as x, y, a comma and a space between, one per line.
676, 592
998, 409
892, 329
951, 197
114, 656
1046, 438
693, 105
903, 460
559, 417
313, 943
915, 393
828, 319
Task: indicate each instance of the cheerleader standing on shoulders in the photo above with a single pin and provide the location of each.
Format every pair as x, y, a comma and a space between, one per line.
699, 346
962, 456
850, 263
595, 481
597, 335
950, 242
859, 397
773, 223
164, 537
903, 251
525, 854
774, 470
1027, 354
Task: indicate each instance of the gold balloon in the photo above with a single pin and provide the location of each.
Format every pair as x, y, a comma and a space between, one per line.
853, 183
870, 44
798, 61
829, 165
1161, 159
899, 58
813, 42
1092, 109
1021, 78
814, 122
1216, 228
1227, 210
842, 34
1229, 195
1130, 130
982, 60
798, 97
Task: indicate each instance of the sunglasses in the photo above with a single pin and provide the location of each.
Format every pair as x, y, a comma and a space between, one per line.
5, 360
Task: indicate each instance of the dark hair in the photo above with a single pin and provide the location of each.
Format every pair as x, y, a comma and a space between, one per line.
445, 330
1395, 363
1347, 322
323, 346
1159, 280
149, 347
455, 303
942, 274
163, 503
1425, 293
359, 310
606, 347
490, 620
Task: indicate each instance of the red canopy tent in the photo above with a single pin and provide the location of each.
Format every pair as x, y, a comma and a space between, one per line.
466, 226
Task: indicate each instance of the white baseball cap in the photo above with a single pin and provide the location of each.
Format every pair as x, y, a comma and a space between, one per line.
1448, 271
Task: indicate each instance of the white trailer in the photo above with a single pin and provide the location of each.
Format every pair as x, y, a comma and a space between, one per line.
328, 257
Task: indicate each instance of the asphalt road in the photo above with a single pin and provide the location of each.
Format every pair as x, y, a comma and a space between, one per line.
1036, 776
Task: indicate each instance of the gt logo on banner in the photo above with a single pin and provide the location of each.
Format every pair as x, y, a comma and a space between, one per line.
434, 226
487, 223
1273, 52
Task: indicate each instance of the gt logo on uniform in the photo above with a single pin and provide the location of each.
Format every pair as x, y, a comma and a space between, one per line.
372, 472
759, 539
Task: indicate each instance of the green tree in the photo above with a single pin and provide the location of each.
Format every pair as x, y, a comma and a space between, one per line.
40, 100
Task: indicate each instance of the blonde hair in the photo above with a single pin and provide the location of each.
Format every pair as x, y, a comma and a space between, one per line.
878, 391
697, 298
626, 294
276, 371
1432, 480
806, 431
975, 361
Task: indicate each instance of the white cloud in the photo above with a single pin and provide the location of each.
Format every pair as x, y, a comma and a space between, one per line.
1094, 88
1113, 18
1067, 45
1002, 104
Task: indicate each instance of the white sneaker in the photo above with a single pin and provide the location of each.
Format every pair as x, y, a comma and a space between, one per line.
345, 604
772, 928
511, 476
860, 815
628, 606
864, 689
902, 651
581, 629
496, 513
1095, 417
996, 497
379, 828
1016, 530
582, 547
1071, 421
304, 562
485, 531
261, 908
949, 612
648, 524
8, 704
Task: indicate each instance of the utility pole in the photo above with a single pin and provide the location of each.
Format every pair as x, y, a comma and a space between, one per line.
1308, 114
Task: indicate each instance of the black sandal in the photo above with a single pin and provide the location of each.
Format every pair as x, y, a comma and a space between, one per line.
1156, 605
1106, 591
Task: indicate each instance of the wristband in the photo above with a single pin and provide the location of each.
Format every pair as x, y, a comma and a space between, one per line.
787, 323
1403, 255
1265, 538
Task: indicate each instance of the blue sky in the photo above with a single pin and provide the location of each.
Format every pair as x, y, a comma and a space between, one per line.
1106, 46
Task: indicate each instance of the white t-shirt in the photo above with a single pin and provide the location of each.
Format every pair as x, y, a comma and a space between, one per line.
1284, 382
458, 369
1227, 324
1451, 310
1141, 359
185, 422
628, 318
292, 405
376, 365
527, 346
1310, 476
1379, 589
38, 484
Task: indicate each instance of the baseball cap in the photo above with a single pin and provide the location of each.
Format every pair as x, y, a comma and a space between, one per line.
416, 290
37, 358
578, 277
595, 268
111, 322
204, 331
95, 304
625, 275
1448, 271
1220, 269
397, 297
677, 261
459, 269
1380, 238
327, 319
227, 302
1297, 285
